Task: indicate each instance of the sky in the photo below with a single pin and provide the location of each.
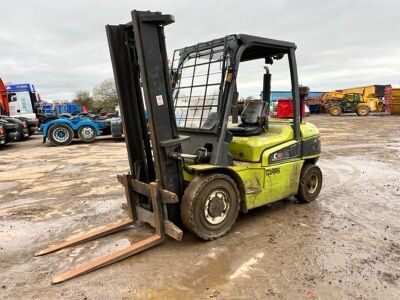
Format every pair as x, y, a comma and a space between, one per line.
61, 46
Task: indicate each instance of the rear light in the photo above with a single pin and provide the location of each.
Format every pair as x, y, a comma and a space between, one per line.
1, 130
24, 125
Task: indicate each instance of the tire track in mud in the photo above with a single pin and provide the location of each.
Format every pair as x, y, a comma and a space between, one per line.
356, 198
356, 178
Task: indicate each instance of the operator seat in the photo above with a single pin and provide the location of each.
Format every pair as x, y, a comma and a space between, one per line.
254, 118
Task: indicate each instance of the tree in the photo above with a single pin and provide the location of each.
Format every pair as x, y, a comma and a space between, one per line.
249, 98
105, 95
83, 98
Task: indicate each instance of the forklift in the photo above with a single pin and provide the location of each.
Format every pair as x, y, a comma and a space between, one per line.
192, 162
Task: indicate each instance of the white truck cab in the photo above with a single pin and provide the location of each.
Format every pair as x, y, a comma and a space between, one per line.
22, 100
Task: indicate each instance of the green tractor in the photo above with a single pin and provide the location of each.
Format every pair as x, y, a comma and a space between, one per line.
191, 160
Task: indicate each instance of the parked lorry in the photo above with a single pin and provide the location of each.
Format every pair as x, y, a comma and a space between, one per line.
63, 129
23, 100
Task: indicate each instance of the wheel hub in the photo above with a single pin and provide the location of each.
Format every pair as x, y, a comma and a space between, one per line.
60, 135
312, 184
87, 132
216, 207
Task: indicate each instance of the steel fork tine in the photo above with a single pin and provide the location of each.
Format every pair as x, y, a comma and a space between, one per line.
77, 239
110, 258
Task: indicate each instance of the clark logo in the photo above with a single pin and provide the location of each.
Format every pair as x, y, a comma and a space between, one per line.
273, 171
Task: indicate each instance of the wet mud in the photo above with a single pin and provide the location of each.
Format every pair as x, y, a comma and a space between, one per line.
345, 245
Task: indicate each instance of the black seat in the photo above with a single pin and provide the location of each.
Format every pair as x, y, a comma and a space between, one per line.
253, 117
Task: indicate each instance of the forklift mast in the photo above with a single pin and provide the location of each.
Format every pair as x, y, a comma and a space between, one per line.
155, 183
139, 59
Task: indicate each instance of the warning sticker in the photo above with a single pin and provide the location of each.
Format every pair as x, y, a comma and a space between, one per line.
160, 100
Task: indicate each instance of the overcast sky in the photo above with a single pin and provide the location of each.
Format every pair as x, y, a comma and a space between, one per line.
61, 46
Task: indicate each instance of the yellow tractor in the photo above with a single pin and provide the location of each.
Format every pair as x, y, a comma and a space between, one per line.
337, 103
371, 95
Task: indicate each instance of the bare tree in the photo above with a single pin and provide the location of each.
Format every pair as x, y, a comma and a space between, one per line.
83, 97
105, 95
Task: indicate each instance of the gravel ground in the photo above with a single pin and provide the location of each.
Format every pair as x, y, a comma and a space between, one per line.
345, 245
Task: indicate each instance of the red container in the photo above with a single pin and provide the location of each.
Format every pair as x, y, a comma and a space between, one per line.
285, 108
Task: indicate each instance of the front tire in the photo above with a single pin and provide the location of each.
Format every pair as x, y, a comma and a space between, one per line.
335, 111
87, 133
60, 135
362, 111
310, 183
210, 205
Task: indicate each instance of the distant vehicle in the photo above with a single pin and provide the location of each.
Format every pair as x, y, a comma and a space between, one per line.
32, 124
62, 130
372, 95
349, 103
12, 131
22, 100
22, 126
2, 135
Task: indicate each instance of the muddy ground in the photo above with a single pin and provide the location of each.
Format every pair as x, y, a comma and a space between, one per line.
345, 245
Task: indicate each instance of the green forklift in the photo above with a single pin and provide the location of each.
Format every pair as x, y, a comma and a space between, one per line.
193, 160
238, 167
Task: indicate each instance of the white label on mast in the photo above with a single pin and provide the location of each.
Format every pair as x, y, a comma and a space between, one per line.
160, 100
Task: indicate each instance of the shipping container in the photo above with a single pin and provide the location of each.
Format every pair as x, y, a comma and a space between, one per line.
60, 108
312, 101
395, 101
275, 95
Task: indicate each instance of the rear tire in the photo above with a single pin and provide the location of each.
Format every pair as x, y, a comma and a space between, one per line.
363, 111
60, 135
310, 183
210, 205
87, 133
335, 111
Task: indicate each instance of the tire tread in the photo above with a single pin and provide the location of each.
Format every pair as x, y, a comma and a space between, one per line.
190, 195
